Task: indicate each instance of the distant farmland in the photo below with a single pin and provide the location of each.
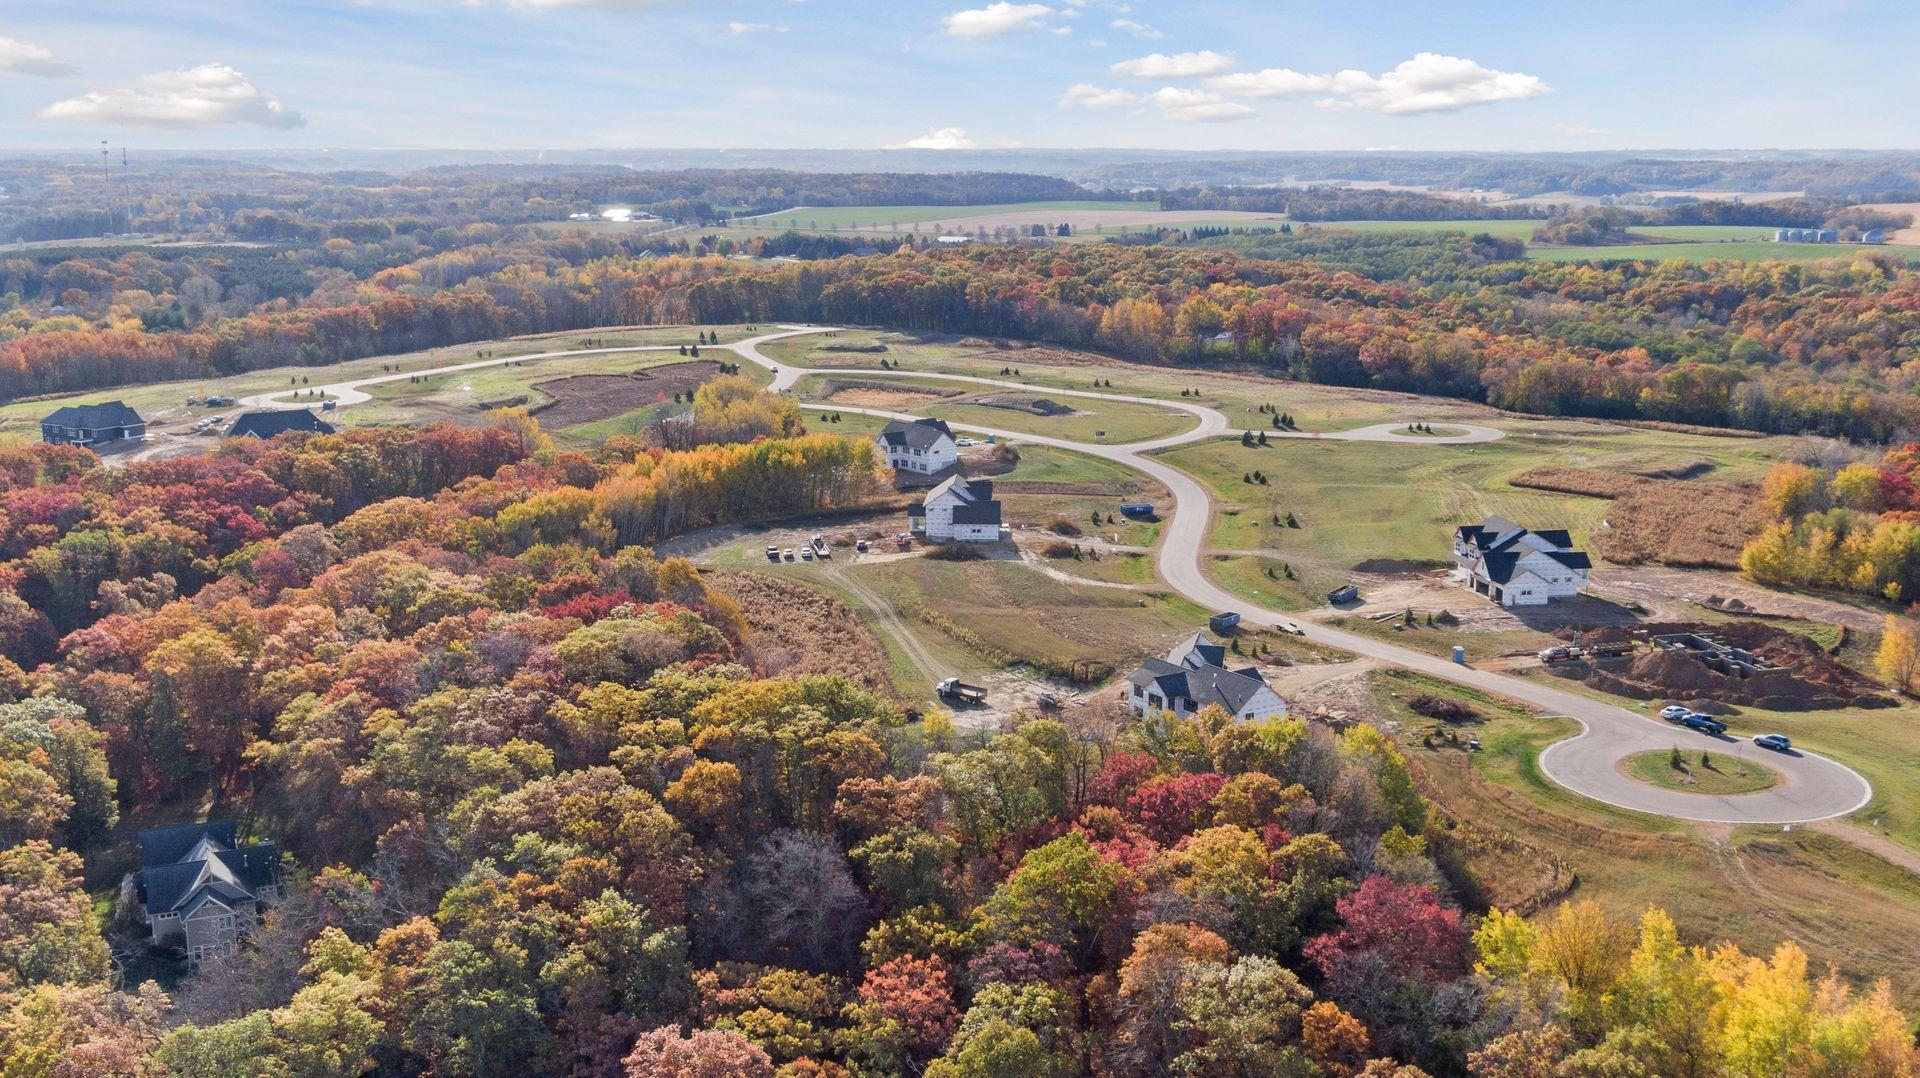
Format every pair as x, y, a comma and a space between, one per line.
1096, 217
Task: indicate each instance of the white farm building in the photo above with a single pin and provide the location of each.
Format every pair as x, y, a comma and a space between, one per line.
962, 509
1515, 566
924, 446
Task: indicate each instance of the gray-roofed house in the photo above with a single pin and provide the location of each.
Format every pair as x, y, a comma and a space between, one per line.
958, 508
925, 446
1516, 566
92, 424
1195, 674
200, 891
273, 422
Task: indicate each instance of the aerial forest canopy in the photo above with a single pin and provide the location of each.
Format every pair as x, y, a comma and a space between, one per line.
549, 805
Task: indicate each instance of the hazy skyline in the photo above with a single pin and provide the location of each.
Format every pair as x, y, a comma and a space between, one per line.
1153, 74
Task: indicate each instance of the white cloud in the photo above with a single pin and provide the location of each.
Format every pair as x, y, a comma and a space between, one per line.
206, 96
938, 138
1286, 82
1137, 29
1580, 130
996, 19
1088, 96
25, 58
753, 27
1180, 65
1429, 82
1197, 106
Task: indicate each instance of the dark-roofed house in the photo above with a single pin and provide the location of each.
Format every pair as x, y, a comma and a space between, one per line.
1195, 674
921, 445
958, 508
270, 423
1516, 566
199, 890
92, 424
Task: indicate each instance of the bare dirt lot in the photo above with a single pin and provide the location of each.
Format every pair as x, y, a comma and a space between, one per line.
1803, 677
587, 398
892, 397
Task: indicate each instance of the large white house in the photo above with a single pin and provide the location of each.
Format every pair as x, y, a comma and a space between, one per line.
1195, 674
1515, 566
958, 508
925, 446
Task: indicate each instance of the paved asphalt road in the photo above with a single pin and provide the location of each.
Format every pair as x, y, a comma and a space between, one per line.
1812, 787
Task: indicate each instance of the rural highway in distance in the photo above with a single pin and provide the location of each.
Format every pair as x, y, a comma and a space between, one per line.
1812, 787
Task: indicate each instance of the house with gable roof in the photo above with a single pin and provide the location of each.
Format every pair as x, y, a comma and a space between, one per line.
199, 890
924, 446
92, 424
273, 422
1195, 674
958, 508
1517, 566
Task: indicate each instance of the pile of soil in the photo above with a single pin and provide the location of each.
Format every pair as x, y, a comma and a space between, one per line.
1031, 405
1806, 678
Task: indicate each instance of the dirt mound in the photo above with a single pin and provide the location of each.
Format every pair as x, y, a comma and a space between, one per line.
1398, 566
1030, 405
587, 398
1804, 677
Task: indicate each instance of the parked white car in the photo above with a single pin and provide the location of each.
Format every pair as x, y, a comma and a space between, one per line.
1673, 711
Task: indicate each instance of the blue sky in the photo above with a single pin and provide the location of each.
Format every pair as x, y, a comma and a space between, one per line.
1161, 74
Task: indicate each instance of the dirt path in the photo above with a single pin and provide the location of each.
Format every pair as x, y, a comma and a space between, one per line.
891, 620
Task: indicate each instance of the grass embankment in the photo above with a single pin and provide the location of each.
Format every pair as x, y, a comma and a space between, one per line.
1702, 773
1526, 843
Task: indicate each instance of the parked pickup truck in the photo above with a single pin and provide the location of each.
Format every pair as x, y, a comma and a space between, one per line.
1706, 724
820, 546
955, 689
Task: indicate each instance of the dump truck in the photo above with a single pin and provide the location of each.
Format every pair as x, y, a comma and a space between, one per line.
955, 689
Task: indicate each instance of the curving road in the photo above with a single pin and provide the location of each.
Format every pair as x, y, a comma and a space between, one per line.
1811, 788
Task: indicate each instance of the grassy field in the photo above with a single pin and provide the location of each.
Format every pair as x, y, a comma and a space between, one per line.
1700, 773
165, 402
1239, 395
1361, 501
1106, 422
1529, 844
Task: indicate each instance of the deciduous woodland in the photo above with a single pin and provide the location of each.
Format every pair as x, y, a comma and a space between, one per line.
1825, 347
550, 806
